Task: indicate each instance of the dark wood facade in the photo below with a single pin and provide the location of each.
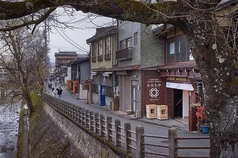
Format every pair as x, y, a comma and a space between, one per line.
152, 89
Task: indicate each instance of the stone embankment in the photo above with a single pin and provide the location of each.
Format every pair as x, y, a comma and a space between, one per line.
52, 135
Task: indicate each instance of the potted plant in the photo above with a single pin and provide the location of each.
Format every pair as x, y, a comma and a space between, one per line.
202, 120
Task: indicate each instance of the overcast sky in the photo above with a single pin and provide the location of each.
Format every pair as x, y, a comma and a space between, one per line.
75, 40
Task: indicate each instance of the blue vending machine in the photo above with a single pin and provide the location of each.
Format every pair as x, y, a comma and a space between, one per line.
102, 95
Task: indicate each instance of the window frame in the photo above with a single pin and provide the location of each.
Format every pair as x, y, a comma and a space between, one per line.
108, 45
135, 38
177, 49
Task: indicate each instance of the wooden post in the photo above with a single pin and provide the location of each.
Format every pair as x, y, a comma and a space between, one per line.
101, 125
79, 115
109, 128
117, 132
91, 120
85, 117
82, 115
127, 127
66, 109
95, 122
139, 142
173, 152
73, 112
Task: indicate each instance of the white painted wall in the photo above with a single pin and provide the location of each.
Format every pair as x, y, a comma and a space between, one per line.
82, 93
68, 77
185, 103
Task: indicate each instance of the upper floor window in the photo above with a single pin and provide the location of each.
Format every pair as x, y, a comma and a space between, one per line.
122, 44
129, 42
100, 48
108, 45
178, 50
135, 38
107, 55
94, 48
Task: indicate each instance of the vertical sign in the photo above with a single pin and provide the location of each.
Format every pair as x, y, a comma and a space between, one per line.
153, 86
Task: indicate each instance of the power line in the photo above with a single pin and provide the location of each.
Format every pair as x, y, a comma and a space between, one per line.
73, 41
75, 45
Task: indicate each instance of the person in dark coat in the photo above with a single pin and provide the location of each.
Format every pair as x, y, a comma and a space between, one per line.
59, 92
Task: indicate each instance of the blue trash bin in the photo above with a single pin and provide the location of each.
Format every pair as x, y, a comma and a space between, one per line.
205, 129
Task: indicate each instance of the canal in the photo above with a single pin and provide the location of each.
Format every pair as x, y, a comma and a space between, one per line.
9, 118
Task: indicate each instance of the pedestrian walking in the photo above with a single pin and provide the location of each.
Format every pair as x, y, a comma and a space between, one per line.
53, 92
59, 92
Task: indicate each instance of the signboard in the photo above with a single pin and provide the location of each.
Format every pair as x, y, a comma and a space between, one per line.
182, 86
153, 89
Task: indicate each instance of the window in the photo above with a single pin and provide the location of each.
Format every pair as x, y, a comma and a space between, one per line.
172, 48
135, 38
107, 55
94, 49
100, 48
122, 44
108, 45
129, 42
178, 50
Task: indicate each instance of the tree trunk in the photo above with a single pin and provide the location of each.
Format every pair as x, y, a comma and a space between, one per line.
216, 63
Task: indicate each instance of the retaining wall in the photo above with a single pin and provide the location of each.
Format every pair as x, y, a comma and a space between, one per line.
53, 135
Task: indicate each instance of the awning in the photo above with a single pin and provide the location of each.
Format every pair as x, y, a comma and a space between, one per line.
182, 86
94, 73
106, 74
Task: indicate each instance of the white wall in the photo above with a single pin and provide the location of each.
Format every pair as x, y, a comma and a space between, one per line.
68, 77
185, 103
82, 93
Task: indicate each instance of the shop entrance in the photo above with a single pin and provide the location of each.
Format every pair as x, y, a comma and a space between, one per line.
178, 103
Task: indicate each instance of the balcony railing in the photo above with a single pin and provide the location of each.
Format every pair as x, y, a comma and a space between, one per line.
107, 56
100, 58
124, 54
94, 59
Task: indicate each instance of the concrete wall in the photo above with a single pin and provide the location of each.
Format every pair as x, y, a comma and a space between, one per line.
53, 135
84, 71
152, 48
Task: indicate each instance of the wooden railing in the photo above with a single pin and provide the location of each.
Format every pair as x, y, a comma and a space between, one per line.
135, 142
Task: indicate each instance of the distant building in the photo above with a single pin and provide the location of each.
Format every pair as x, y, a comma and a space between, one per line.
103, 57
61, 60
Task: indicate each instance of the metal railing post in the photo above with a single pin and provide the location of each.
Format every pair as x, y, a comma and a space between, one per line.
140, 142
173, 152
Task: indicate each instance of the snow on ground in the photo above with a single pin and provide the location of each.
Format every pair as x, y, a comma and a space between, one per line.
9, 118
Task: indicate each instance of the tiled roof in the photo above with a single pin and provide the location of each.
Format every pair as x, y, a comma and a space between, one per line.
225, 3
66, 53
180, 65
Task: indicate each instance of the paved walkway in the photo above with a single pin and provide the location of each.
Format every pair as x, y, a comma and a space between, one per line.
151, 126
170, 123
